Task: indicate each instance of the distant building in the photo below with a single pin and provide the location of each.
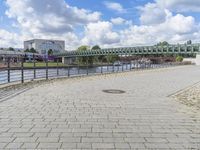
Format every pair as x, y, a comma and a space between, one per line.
43, 46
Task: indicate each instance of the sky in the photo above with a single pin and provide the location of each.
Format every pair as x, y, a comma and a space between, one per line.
108, 23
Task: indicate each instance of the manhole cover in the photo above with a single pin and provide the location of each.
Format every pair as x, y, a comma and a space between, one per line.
113, 91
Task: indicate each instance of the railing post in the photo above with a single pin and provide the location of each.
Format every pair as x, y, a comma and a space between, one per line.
107, 67
118, 67
22, 70
122, 66
8, 68
101, 66
130, 63
78, 66
87, 66
126, 62
34, 66
68, 70
113, 68
57, 66
47, 69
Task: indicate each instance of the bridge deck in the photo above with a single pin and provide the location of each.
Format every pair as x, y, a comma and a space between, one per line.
146, 50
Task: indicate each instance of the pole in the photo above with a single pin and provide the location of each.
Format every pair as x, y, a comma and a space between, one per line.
78, 66
113, 68
130, 62
87, 66
57, 67
68, 70
122, 63
22, 70
47, 69
101, 66
34, 66
8, 67
126, 62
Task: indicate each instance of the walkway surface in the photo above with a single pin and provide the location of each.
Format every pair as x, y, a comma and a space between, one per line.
76, 114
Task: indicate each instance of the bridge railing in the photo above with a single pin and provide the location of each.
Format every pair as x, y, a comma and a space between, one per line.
142, 50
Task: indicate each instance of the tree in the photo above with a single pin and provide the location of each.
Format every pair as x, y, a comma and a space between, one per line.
50, 52
96, 58
179, 58
112, 58
189, 42
96, 47
82, 59
11, 49
164, 43
32, 50
83, 48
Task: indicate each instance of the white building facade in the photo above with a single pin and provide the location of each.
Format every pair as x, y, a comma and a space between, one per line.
42, 46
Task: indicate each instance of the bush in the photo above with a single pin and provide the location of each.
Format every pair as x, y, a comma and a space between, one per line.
179, 58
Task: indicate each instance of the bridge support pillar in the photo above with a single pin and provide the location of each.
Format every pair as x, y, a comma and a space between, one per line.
67, 60
198, 59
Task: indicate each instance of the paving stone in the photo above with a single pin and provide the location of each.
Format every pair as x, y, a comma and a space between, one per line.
49, 145
14, 145
76, 114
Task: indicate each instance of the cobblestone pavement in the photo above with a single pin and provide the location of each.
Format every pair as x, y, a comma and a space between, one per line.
76, 114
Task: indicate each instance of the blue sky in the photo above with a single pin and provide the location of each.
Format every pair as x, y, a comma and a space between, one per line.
108, 23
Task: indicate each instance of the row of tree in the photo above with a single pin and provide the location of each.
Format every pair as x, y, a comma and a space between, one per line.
32, 50
95, 59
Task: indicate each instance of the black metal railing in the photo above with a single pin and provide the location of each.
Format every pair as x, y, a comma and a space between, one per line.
22, 71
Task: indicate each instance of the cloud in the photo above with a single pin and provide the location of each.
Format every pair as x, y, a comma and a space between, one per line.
8, 39
44, 17
180, 5
174, 29
115, 6
120, 21
151, 14
100, 33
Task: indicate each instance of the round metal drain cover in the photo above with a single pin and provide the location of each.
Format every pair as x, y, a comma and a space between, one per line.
113, 91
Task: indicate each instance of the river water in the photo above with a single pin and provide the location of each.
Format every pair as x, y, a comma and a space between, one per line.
16, 75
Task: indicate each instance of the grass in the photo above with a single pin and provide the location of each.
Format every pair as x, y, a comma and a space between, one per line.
43, 64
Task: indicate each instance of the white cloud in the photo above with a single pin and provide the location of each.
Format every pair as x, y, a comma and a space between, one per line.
180, 5
120, 21
100, 33
8, 39
174, 29
44, 17
115, 6
151, 13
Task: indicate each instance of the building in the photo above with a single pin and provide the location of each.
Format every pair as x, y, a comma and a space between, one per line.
43, 46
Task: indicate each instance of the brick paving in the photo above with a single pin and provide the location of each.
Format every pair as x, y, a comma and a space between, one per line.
76, 114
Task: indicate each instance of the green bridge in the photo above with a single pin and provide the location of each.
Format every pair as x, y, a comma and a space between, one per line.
142, 50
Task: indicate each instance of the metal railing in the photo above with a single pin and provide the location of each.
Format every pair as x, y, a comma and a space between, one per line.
22, 71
